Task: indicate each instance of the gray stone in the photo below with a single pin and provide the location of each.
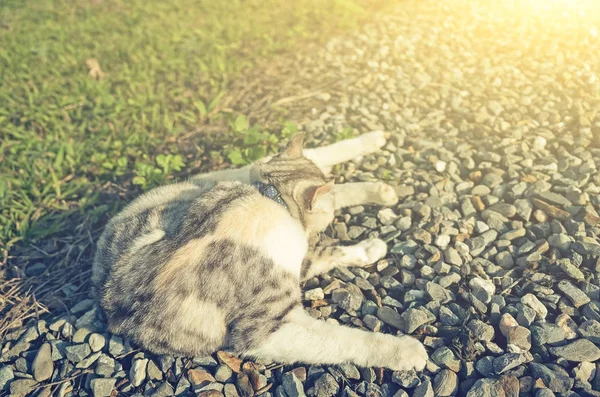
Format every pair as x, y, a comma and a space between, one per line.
480, 190
524, 208
223, 374
386, 216
347, 299
97, 342
349, 371
505, 209
76, 353
452, 256
425, 389
116, 346
58, 349
372, 322
363, 389
508, 361
486, 388
105, 366
22, 387
89, 360
403, 224
445, 383
447, 317
137, 373
482, 289
414, 318
544, 393
341, 231
554, 381
570, 269
292, 385
43, 366
526, 315
314, 294
31, 334
533, 302
579, 350
408, 262
326, 386
407, 247
481, 331
231, 391
81, 335
591, 311
6, 376
505, 260
390, 317
436, 292
164, 390
514, 234
590, 329
445, 358
87, 319
446, 281
562, 242
520, 337
154, 373
407, 379
442, 241
545, 333
585, 248
485, 366
82, 306
355, 232
554, 198
182, 386
574, 294
102, 387
584, 373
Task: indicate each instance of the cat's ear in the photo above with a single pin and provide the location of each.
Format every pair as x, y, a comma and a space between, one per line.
294, 147
314, 193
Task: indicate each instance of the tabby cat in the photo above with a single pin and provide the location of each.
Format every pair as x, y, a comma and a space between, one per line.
216, 262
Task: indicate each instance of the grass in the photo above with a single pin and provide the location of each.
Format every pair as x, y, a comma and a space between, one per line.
101, 97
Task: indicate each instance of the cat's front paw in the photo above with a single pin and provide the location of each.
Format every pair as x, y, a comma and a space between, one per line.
409, 354
385, 194
372, 141
374, 250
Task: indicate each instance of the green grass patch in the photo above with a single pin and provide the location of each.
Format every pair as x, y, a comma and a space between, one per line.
164, 66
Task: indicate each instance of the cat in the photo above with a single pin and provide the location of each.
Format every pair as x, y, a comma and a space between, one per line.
216, 262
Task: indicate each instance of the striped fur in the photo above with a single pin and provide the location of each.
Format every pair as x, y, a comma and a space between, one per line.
203, 265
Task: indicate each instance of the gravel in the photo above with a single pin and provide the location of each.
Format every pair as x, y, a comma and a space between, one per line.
494, 245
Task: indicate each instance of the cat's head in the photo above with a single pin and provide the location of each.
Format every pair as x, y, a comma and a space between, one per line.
302, 185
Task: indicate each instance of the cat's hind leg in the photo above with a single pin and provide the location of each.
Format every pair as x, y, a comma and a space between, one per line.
304, 339
323, 259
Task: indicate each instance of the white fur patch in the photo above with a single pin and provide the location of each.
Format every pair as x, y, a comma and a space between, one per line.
203, 317
265, 225
286, 244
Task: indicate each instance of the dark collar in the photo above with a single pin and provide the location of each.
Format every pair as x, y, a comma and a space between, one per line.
271, 192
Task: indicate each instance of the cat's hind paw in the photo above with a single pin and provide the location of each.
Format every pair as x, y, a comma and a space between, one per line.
410, 354
374, 250
372, 141
385, 195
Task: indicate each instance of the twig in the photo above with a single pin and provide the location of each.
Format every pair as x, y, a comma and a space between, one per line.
505, 290
60, 382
